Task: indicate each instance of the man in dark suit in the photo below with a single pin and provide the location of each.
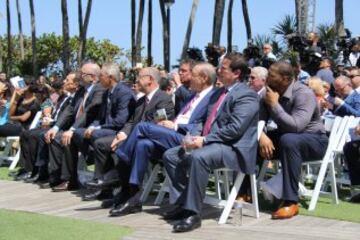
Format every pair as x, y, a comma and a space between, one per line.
182, 79
31, 140
145, 110
228, 139
149, 141
85, 108
117, 106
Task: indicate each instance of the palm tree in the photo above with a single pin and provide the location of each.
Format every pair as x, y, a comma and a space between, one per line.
21, 36
339, 18
33, 37
139, 30
9, 45
218, 19
260, 40
133, 37
327, 35
285, 27
83, 26
149, 35
246, 19
165, 34
229, 26
65, 27
189, 28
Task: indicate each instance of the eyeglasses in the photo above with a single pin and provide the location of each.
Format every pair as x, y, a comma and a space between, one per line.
86, 74
352, 76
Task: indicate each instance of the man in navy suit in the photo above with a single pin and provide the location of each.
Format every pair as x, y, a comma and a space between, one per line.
117, 106
149, 141
182, 80
348, 102
228, 139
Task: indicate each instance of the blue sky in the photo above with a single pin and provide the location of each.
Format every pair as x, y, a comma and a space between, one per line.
110, 19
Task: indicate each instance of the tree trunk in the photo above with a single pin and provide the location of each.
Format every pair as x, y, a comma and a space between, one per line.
339, 18
301, 10
82, 46
229, 26
189, 28
297, 14
218, 19
133, 36
9, 45
139, 30
80, 18
149, 36
246, 19
33, 38
165, 34
65, 28
21, 36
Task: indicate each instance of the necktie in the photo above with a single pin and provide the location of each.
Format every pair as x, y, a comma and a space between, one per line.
108, 107
213, 112
190, 103
82, 106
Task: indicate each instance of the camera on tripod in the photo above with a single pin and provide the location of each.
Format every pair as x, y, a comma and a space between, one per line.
213, 53
345, 45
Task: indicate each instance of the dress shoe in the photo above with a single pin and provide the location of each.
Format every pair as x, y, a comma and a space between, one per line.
45, 185
175, 214
23, 176
188, 224
98, 195
102, 184
107, 203
355, 198
32, 179
64, 186
244, 198
286, 211
127, 208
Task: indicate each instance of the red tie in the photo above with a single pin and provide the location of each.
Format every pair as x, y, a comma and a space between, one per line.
188, 106
213, 112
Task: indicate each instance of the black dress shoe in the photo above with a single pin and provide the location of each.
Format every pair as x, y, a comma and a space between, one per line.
32, 179
98, 195
175, 214
355, 198
188, 224
23, 176
108, 203
102, 184
127, 208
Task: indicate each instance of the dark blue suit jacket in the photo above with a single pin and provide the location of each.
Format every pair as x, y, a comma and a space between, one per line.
351, 106
182, 94
236, 124
198, 116
122, 105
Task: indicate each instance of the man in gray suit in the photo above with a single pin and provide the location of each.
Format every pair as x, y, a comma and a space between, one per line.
228, 139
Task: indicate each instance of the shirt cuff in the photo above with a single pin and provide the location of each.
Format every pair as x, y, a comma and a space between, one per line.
56, 128
72, 129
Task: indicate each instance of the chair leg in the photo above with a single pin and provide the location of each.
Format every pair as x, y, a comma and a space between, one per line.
164, 189
319, 182
263, 171
149, 183
217, 184
334, 192
15, 160
230, 201
254, 194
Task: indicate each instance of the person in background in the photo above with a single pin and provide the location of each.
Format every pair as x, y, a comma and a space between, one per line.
23, 107
316, 84
325, 72
4, 104
347, 101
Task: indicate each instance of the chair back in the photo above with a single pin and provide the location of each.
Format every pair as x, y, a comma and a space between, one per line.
36, 120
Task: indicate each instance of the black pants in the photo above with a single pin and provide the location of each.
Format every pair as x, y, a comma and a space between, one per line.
10, 129
352, 158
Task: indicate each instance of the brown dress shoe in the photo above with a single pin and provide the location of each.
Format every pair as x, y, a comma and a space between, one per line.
65, 186
244, 198
285, 212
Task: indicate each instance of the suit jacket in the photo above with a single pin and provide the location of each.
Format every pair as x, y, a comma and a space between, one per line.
236, 123
61, 105
182, 94
199, 114
351, 105
147, 112
121, 107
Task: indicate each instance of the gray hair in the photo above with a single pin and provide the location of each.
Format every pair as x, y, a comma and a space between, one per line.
93, 68
154, 73
260, 72
343, 79
112, 70
208, 70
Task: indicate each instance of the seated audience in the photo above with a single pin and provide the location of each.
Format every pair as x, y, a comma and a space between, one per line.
4, 104
325, 72
348, 101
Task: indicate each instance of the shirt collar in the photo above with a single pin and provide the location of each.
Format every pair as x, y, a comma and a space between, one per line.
205, 91
289, 91
261, 91
151, 94
232, 86
89, 88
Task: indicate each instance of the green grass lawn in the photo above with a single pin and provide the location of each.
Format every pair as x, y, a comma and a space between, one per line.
29, 226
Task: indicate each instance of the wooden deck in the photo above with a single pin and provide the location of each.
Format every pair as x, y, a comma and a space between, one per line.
149, 225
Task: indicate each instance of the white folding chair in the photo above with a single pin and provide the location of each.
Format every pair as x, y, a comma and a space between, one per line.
336, 141
230, 201
11, 139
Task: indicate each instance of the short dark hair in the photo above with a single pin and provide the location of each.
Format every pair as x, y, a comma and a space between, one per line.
164, 83
57, 84
238, 62
189, 61
284, 69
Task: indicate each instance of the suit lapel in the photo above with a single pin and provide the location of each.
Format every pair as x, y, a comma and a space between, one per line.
153, 101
